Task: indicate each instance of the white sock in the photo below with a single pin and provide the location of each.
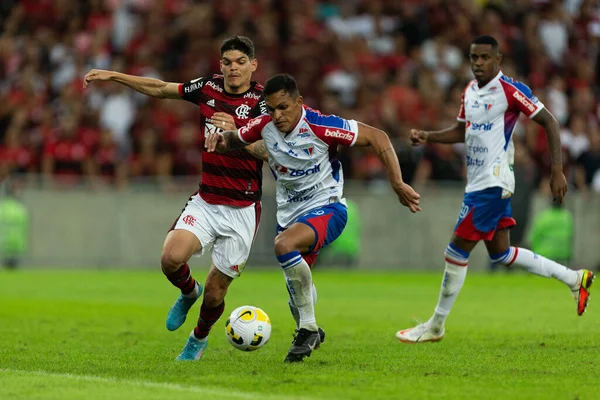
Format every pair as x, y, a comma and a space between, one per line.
299, 280
538, 265
454, 278
294, 309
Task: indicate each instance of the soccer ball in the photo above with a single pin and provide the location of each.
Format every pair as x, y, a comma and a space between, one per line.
248, 328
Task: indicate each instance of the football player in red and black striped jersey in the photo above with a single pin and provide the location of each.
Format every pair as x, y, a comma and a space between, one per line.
225, 211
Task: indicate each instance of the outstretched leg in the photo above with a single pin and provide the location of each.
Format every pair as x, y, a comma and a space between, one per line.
579, 282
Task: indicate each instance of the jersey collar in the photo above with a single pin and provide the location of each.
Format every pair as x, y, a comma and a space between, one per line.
494, 80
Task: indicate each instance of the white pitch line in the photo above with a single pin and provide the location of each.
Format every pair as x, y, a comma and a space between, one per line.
150, 384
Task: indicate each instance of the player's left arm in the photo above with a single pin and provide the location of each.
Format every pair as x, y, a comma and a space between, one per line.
380, 142
558, 182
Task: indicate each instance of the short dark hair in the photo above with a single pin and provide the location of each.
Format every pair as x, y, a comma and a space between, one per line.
486, 39
284, 82
240, 43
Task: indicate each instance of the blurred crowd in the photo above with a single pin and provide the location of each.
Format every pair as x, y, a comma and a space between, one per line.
392, 64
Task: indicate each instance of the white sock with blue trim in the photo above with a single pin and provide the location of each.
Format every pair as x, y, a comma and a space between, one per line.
454, 278
536, 264
299, 280
294, 309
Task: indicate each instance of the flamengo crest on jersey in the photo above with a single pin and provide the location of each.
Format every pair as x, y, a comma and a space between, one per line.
490, 114
304, 162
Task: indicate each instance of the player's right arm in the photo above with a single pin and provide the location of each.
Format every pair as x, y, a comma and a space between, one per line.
148, 86
222, 142
453, 134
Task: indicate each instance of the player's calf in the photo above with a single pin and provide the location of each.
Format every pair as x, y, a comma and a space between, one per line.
535, 264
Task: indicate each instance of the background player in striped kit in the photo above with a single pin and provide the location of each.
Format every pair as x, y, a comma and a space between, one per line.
224, 213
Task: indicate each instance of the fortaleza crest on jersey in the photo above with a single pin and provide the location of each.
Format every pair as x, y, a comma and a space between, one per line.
308, 150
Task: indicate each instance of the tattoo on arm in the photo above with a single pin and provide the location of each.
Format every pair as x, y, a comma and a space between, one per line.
382, 152
258, 150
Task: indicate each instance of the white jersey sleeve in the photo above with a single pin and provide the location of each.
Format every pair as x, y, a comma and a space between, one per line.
520, 97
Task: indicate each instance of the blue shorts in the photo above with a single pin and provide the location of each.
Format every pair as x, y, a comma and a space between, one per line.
327, 222
483, 213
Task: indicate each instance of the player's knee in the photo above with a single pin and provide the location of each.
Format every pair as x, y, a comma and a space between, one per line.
283, 246
171, 259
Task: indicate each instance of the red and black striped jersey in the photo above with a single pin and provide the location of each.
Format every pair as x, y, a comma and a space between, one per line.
233, 178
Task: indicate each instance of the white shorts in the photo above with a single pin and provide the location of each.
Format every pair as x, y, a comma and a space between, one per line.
228, 230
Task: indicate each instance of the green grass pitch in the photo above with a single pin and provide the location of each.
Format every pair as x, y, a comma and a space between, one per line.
100, 335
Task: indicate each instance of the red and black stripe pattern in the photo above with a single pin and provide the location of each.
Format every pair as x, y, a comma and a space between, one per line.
234, 178
208, 317
182, 278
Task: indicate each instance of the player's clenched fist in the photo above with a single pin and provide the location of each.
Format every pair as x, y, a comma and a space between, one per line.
418, 137
96, 75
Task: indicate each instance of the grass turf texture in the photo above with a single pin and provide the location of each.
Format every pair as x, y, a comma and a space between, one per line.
101, 335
